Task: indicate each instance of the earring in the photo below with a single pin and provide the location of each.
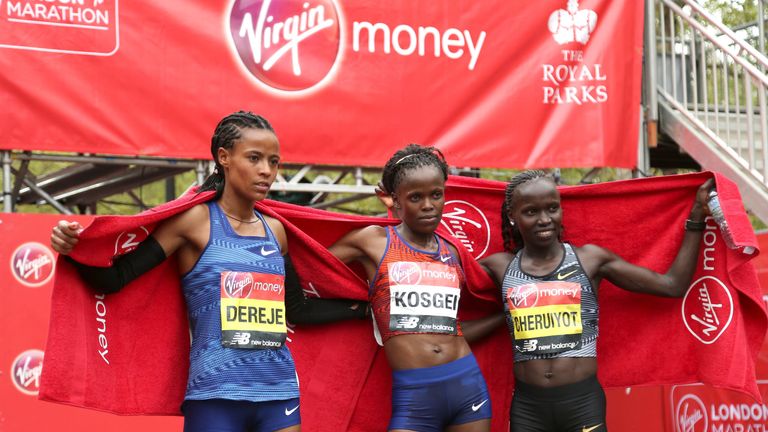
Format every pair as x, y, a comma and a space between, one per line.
512, 223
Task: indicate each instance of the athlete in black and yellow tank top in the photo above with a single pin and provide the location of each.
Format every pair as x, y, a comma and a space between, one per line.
555, 369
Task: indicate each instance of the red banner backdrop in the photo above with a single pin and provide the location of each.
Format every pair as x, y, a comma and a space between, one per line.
493, 84
24, 312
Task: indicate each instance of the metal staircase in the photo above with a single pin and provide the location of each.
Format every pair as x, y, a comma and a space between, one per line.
711, 94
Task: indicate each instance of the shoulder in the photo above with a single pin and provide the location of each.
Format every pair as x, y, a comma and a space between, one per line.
497, 264
593, 257
275, 225
365, 234
190, 218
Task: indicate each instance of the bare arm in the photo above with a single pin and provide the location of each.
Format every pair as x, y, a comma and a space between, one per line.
674, 282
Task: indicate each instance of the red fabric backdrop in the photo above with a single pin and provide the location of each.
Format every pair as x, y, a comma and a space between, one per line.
493, 84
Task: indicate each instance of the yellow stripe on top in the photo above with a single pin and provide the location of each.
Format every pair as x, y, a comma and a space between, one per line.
553, 320
253, 315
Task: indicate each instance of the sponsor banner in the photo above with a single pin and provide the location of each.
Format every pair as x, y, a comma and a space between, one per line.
77, 27
701, 408
252, 310
24, 311
550, 83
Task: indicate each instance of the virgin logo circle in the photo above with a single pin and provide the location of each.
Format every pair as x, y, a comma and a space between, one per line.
287, 45
32, 264
26, 370
238, 285
707, 309
691, 415
524, 296
469, 225
405, 273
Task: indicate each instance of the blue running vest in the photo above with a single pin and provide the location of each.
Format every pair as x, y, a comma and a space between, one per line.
216, 372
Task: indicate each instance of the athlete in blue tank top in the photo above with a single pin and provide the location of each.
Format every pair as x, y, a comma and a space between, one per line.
239, 285
549, 291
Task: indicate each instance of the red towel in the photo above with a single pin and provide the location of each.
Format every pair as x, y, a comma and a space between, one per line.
344, 379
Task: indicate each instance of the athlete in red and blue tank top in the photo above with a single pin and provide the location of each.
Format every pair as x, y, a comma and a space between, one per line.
416, 281
416, 291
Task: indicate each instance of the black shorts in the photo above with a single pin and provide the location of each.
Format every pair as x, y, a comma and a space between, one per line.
577, 407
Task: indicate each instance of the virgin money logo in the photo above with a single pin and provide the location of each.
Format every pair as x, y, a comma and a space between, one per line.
238, 285
572, 25
467, 224
691, 415
32, 264
524, 296
287, 45
405, 273
26, 370
129, 240
707, 309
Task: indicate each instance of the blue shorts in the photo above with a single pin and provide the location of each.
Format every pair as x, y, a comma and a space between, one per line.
222, 415
430, 399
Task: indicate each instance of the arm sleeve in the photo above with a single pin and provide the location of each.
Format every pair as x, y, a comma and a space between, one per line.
124, 269
303, 310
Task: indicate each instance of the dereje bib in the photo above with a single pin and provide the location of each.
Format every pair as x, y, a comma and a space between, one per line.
546, 316
424, 297
252, 310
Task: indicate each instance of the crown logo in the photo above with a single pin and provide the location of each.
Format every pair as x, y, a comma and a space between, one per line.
572, 25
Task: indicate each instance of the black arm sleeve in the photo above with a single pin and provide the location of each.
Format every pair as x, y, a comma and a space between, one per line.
303, 310
124, 269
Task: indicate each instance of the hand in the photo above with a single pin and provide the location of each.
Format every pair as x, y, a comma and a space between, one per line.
65, 236
383, 196
700, 209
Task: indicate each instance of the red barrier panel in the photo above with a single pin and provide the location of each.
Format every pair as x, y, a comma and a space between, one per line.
493, 84
26, 270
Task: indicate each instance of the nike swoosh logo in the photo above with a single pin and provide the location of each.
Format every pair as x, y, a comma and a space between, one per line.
444, 258
561, 276
265, 252
586, 429
477, 407
290, 411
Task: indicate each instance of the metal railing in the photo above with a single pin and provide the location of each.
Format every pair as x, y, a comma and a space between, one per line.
715, 80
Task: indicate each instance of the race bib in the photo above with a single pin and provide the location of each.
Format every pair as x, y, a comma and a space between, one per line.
252, 310
546, 317
424, 297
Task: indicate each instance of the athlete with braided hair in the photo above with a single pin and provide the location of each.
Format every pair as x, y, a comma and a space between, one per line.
241, 376
555, 337
416, 280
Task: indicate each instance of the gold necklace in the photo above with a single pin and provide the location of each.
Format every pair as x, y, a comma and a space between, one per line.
240, 220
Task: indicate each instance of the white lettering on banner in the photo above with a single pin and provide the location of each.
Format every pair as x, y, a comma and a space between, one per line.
424, 300
563, 77
709, 320
294, 29
468, 224
70, 12
101, 327
710, 238
405, 41
739, 412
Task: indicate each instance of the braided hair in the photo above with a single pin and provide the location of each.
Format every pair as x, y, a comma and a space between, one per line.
227, 132
411, 157
511, 234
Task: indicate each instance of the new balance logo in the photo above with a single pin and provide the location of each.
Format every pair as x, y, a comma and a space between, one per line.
561, 276
267, 252
530, 345
291, 411
477, 407
408, 322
